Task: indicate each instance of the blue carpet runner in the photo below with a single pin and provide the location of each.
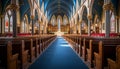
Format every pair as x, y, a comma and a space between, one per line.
59, 55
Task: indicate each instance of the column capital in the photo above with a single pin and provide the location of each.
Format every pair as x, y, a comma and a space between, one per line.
80, 21
108, 6
32, 16
89, 17
12, 7
117, 17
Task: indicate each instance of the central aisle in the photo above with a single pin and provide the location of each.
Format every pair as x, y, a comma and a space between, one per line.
59, 55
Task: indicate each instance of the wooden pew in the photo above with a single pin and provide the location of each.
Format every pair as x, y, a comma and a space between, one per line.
84, 48
115, 64
12, 60
29, 46
93, 47
24, 46
106, 49
19, 47
40, 44
78, 45
37, 47
8, 60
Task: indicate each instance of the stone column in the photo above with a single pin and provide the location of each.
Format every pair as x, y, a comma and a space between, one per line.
89, 25
0, 25
9, 24
39, 27
3, 24
76, 26
76, 29
13, 7
117, 24
32, 19
45, 28
18, 22
80, 27
107, 7
70, 28
14, 24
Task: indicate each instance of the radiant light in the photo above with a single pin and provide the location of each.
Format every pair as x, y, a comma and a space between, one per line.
65, 45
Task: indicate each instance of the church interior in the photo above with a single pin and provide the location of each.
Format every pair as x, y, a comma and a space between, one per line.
59, 34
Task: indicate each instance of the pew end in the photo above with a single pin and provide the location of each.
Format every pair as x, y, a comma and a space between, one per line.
111, 64
115, 64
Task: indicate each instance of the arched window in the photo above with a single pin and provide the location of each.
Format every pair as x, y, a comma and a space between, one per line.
8, 22
65, 20
36, 27
112, 22
53, 20
24, 26
84, 27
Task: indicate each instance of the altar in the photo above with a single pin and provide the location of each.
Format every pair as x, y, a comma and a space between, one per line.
59, 33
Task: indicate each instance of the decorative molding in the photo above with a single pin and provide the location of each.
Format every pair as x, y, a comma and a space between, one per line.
12, 7
89, 17
108, 6
32, 17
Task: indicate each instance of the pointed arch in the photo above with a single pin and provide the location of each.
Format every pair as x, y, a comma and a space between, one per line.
25, 24
53, 20
59, 17
65, 20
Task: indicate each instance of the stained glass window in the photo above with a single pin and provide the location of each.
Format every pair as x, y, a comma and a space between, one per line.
112, 22
53, 20
24, 27
6, 22
65, 20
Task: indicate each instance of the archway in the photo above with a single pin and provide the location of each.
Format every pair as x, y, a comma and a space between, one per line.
112, 22
8, 22
84, 24
78, 26
53, 20
96, 26
24, 25
36, 23
65, 27
53, 24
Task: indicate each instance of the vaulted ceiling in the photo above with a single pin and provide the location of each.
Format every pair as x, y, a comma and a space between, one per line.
98, 7
59, 7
